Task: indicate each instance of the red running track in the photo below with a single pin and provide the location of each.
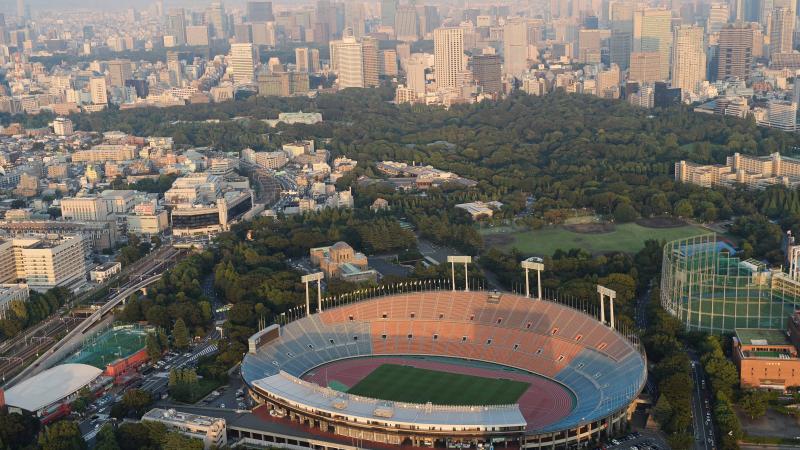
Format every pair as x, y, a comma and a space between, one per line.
545, 401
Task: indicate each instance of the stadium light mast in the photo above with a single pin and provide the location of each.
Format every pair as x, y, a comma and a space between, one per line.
453, 260
317, 276
611, 294
536, 264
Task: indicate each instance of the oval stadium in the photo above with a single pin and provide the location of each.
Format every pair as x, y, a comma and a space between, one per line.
448, 369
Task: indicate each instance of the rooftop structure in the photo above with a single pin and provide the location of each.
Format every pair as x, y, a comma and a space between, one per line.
210, 430
56, 385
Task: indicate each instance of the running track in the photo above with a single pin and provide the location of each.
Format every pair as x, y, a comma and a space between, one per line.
544, 402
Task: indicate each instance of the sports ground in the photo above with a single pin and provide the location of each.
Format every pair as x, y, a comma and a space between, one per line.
413, 385
628, 237
448, 381
109, 346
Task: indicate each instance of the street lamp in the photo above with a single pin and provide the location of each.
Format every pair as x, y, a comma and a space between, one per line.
536, 264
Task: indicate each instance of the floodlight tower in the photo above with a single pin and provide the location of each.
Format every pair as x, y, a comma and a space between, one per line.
453, 260
317, 276
611, 294
536, 264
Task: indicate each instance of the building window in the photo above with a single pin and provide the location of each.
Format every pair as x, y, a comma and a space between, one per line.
412, 315
463, 339
489, 341
435, 337
441, 316
516, 346
410, 336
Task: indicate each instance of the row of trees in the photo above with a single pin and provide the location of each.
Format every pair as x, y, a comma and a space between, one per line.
39, 306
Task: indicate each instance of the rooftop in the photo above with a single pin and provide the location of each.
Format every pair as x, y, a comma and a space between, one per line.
51, 386
761, 336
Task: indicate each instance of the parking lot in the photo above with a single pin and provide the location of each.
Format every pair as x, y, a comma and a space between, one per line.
645, 440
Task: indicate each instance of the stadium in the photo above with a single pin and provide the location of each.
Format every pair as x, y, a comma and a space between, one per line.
709, 289
434, 367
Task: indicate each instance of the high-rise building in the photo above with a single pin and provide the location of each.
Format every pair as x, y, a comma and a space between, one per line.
718, 15
735, 51
781, 31
257, 11
487, 73
415, 73
217, 20
608, 82
98, 90
176, 25
23, 11
354, 17
688, 59
242, 62
407, 23
448, 52
301, 59
590, 45
388, 62
197, 35
620, 49
369, 49
652, 32
645, 67
432, 20
119, 70
347, 60
388, 12
515, 46
243, 33
782, 115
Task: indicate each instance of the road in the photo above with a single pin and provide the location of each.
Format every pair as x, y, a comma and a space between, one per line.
701, 414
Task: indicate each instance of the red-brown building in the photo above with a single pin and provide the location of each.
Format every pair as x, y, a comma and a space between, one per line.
767, 358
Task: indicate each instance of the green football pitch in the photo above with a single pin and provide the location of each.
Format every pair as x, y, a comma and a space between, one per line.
413, 385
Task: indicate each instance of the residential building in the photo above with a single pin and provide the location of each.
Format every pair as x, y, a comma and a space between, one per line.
448, 46
781, 37
735, 51
688, 59
242, 62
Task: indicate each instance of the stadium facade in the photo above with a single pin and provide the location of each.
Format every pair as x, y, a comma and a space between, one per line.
590, 374
709, 289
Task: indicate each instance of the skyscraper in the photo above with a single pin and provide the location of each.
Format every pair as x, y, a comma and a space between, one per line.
781, 31
242, 62
448, 52
369, 49
645, 67
257, 11
347, 59
243, 33
515, 46
415, 73
620, 48
354, 17
432, 20
217, 20
388, 12
120, 70
301, 59
735, 51
688, 59
718, 15
176, 25
98, 90
652, 32
487, 73
407, 23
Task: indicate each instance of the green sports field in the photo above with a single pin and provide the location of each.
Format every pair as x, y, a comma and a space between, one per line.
629, 237
413, 385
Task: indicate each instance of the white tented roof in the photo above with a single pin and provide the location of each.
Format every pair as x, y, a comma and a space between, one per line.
50, 386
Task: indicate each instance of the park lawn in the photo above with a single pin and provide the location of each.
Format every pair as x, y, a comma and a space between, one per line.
628, 237
413, 385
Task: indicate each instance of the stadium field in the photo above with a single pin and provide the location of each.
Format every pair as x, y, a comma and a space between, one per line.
414, 385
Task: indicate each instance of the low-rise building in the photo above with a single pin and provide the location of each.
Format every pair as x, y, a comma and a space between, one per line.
104, 272
341, 261
767, 358
12, 292
211, 430
480, 209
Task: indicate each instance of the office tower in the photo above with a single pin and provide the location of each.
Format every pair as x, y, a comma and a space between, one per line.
369, 49
217, 20
301, 59
354, 17
688, 59
432, 20
652, 32
620, 49
448, 52
243, 33
735, 54
415, 73
781, 31
264, 33
645, 67
98, 91
259, 12
407, 23
176, 25
608, 82
23, 11
120, 70
387, 63
347, 60
388, 12
197, 35
242, 62
486, 69
718, 15
515, 46
88, 32
621, 16
590, 45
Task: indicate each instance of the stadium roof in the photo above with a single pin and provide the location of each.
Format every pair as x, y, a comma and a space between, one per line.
337, 403
50, 386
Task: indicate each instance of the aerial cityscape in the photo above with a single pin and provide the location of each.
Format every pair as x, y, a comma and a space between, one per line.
345, 225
